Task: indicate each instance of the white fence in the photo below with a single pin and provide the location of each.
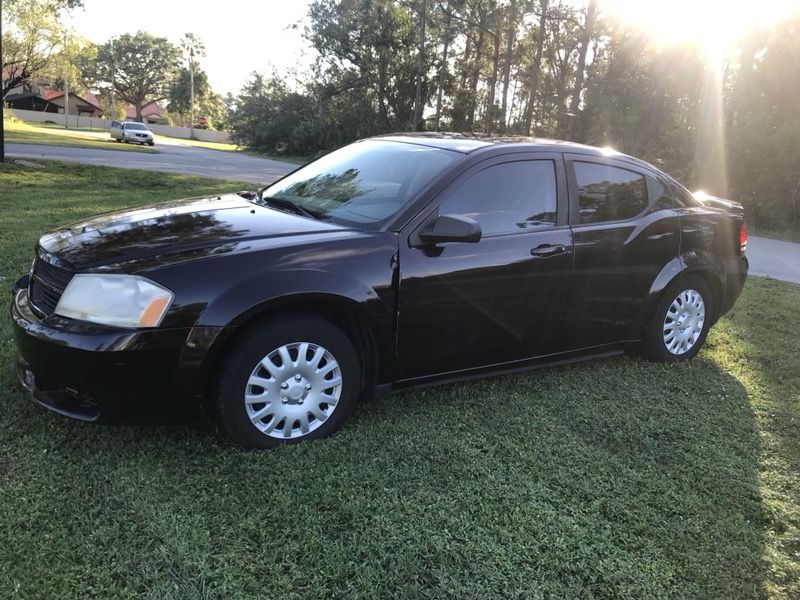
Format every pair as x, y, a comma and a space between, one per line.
205, 135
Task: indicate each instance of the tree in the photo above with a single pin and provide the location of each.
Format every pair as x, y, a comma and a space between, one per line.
138, 68
67, 68
586, 38
271, 119
370, 50
31, 36
180, 92
423, 17
192, 49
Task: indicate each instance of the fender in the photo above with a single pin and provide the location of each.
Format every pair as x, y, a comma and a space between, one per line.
699, 262
251, 296
373, 309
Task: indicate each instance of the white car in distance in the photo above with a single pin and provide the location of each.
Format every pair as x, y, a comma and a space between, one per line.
131, 131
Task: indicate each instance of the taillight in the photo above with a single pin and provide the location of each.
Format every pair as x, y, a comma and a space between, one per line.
742, 239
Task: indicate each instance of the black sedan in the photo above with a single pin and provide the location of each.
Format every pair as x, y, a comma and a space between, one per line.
394, 262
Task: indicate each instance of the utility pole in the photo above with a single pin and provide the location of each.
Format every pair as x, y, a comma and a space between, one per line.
191, 92
66, 104
192, 47
113, 106
66, 83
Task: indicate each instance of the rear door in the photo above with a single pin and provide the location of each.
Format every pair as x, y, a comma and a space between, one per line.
502, 299
625, 230
116, 129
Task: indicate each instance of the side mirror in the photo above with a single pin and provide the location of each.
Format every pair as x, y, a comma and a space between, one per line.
451, 228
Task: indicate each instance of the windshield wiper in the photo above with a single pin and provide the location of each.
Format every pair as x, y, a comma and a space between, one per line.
283, 203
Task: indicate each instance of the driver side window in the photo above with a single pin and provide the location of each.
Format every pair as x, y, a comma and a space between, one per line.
507, 198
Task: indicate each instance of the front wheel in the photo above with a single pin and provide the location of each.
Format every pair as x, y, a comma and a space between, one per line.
681, 321
287, 381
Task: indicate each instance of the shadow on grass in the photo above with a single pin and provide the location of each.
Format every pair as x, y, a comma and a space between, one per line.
759, 344
616, 478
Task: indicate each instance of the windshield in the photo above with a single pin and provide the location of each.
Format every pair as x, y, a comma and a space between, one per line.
136, 126
364, 184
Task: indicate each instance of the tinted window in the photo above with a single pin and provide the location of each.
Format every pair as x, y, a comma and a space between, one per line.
684, 199
608, 193
508, 197
365, 183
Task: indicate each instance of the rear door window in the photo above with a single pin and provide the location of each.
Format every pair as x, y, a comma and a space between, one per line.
607, 193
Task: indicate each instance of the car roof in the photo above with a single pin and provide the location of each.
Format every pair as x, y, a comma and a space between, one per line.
468, 143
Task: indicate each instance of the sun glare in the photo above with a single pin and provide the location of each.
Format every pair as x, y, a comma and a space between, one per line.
713, 25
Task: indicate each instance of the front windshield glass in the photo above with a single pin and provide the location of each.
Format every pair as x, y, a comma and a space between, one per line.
363, 184
136, 126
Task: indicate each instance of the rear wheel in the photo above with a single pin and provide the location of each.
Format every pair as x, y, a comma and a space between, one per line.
287, 381
681, 321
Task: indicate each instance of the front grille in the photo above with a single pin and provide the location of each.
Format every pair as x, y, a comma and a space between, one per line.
47, 283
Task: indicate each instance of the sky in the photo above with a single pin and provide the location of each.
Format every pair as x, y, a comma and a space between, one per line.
240, 36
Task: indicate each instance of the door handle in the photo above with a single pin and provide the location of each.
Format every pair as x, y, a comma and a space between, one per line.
660, 236
548, 250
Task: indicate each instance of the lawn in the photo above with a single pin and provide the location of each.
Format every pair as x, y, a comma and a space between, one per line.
30, 133
786, 235
609, 479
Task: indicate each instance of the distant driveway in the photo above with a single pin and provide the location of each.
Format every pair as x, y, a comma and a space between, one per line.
773, 258
172, 158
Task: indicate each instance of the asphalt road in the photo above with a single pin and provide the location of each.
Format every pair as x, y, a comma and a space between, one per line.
773, 258
768, 258
171, 158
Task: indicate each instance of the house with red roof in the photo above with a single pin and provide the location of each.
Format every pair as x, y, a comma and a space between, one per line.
152, 113
39, 97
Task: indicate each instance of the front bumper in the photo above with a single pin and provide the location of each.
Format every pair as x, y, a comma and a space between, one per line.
97, 373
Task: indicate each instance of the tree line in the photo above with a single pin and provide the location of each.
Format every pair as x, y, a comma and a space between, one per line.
547, 68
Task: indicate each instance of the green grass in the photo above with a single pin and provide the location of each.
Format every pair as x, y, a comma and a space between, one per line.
787, 235
610, 479
40, 133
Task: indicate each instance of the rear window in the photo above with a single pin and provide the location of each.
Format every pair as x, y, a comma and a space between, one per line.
607, 193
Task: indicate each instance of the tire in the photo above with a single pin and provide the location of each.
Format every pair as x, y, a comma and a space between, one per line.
681, 321
151, 143
292, 391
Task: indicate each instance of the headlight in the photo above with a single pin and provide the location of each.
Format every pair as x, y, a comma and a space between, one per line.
120, 300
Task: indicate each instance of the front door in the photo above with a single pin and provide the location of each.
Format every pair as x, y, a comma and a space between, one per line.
502, 299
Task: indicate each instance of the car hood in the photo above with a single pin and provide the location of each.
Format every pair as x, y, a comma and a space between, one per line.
196, 226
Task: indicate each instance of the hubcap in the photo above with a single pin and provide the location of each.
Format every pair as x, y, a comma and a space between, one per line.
293, 390
684, 322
